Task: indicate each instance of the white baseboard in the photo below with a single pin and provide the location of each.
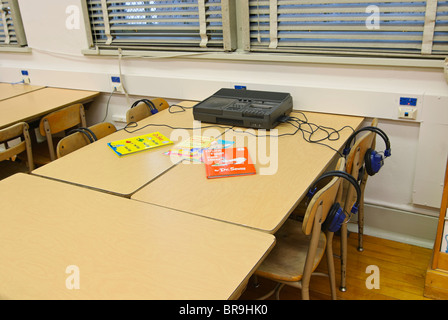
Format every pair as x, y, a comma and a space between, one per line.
398, 225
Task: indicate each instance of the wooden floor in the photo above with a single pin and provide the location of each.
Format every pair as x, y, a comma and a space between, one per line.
402, 273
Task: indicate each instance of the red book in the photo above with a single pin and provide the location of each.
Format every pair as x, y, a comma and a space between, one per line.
228, 162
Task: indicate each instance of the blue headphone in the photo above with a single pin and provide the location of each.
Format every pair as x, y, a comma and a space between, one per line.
149, 104
336, 216
373, 160
87, 132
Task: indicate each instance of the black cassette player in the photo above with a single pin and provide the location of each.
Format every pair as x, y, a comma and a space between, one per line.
244, 108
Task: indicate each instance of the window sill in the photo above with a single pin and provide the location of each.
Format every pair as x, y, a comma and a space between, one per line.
15, 49
273, 57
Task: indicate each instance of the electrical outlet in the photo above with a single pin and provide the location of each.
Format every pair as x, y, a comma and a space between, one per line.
119, 118
407, 113
116, 84
25, 77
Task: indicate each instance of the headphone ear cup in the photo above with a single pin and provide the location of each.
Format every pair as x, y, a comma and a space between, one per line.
367, 163
373, 161
335, 218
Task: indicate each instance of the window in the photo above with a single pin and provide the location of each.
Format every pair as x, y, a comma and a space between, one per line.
160, 25
394, 28
11, 28
400, 27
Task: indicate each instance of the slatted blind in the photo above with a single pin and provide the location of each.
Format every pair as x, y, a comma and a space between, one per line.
11, 29
395, 27
182, 24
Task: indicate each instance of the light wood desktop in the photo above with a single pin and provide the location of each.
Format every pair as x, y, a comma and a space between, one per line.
262, 201
8, 90
97, 166
37, 103
54, 234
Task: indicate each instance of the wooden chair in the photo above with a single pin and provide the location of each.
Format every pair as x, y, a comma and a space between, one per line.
70, 143
354, 163
54, 123
141, 110
296, 255
7, 165
102, 129
80, 139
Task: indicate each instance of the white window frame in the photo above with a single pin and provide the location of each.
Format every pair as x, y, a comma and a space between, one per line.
108, 26
14, 34
240, 37
400, 28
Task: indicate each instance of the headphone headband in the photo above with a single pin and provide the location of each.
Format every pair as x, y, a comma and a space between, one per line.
341, 174
87, 132
149, 104
381, 133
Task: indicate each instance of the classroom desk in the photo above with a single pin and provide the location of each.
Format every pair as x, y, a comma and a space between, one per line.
97, 166
52, 232
8, 90
31, 106
262, 201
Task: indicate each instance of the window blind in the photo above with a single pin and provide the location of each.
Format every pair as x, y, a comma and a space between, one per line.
11, 29
177, 25
396, 27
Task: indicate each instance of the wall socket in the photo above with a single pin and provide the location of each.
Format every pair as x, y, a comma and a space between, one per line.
119, 118
25, 76
407, 113
116, 84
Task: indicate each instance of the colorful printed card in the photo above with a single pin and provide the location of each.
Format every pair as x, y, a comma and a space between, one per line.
221, 144
138, 144
193, 148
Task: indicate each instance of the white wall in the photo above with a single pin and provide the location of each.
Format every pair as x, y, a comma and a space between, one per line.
407, 190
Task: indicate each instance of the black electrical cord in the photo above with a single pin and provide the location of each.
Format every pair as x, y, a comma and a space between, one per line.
308, 129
